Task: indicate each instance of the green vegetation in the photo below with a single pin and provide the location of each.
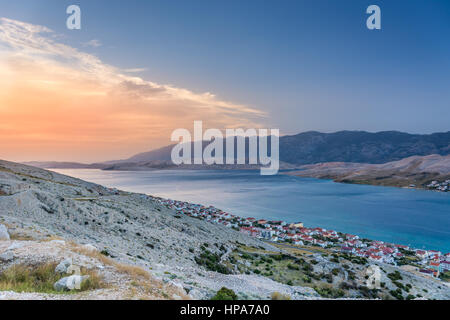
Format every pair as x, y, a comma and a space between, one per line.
445, 276
329, 292
395, 276
397, 294
225, 294
211, 261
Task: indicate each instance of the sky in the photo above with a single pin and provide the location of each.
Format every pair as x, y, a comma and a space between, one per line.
137, 70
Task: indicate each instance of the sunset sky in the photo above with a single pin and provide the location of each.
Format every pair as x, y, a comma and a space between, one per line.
137, 70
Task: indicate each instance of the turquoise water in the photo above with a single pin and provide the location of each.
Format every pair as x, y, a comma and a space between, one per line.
411, 217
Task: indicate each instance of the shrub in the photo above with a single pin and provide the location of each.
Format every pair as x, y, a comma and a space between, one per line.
292, 267
395, 276
397, 294
225, 294
280, 296
306, 279
329, 292
211, 261
335, 271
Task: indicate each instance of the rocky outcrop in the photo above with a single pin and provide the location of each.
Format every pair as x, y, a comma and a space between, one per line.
4, 235
63, 266
70, 283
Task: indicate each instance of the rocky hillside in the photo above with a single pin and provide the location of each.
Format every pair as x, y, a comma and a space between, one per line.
129, 246
131, 228
416, 170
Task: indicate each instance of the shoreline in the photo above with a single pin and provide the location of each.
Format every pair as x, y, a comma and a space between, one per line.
282, 232
338, 179
371, 234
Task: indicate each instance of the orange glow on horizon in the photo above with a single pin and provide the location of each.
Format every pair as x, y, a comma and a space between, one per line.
64, 105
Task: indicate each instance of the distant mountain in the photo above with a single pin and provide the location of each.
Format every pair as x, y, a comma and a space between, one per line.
306, 148
360, 146
416, 171
64, 165
343, 146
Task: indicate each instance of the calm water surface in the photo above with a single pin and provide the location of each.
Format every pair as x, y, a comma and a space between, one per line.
412, 217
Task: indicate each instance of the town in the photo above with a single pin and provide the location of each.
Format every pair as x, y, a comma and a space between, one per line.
440, 186
428, 262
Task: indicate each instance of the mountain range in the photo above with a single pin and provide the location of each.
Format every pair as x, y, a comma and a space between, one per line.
307, 148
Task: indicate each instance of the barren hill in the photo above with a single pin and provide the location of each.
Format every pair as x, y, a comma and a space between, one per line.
415, 170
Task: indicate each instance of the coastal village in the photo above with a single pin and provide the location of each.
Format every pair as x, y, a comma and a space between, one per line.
440, 186
428, 262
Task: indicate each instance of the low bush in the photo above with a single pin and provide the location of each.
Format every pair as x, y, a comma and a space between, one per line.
211, 261
225, 294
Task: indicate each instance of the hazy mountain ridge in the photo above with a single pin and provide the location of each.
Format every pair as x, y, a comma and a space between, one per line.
306, 148
416, 170
344, 146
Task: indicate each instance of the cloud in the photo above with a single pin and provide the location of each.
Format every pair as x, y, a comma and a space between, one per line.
92, 43
57, 102
135, 70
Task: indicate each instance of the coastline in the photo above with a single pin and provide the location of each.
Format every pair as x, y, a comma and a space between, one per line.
374, 183
138, 229
295, 233
363, 210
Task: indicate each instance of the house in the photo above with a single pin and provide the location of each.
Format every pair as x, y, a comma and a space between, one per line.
296, 225
375, 257
351, 237
445, 266
347, 250
435, 265
426, 271
422, 254
321, 243
267, 233
246, 230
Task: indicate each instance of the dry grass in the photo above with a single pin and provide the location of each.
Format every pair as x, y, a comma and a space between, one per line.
22, 237
53, 237
141, 285
280, 296
134, 272
41, 278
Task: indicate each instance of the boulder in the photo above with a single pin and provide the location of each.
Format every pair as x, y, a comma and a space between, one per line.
69, 283
4, 235
7, 256
63, 266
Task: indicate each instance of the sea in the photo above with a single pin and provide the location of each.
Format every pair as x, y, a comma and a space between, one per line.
418, 218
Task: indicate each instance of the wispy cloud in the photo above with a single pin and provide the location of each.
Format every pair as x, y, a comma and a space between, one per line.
92, 43
60, 98
135, 70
